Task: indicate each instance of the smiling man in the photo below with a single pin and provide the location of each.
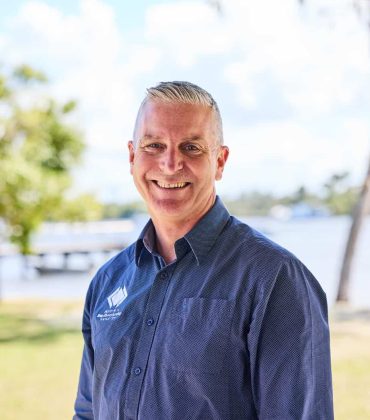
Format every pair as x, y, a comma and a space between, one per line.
175, 158
202, 317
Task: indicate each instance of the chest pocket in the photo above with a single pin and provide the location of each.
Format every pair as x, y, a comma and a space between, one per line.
199, 335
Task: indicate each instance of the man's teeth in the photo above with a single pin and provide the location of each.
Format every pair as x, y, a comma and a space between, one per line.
175, 185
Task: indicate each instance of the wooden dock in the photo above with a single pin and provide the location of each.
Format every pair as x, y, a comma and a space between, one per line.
56, 243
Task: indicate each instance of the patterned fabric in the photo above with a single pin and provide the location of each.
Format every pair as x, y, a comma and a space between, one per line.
235, 328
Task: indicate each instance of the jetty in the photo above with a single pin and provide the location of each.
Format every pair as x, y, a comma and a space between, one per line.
56, 246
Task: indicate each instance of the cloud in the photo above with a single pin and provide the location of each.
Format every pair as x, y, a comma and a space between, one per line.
309, 65
279, 156
87, 55
88, 59
186, 31
316, 68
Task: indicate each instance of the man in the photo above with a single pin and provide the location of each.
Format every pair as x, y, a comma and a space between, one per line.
203, 317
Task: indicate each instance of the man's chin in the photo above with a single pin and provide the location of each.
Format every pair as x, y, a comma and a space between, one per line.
169, 204
168, 207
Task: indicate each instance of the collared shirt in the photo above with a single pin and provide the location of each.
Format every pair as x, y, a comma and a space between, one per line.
235, 328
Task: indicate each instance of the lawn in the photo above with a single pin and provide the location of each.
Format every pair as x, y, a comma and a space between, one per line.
40, 350
350, 344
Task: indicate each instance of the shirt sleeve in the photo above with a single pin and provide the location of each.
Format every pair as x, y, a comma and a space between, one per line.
289, 348
83, 404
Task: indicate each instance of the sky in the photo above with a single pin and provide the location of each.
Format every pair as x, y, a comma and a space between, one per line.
292, 82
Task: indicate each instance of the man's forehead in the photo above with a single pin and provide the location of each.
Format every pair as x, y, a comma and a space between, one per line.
156, 112
156, 137
182, 121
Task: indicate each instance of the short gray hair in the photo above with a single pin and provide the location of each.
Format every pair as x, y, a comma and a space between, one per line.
183, 92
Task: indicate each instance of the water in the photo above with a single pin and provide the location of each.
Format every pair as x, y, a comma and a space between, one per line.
319, 243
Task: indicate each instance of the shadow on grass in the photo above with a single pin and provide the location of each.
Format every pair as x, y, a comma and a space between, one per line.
20, 328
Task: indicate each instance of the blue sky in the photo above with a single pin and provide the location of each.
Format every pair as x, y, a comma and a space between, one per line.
292, 83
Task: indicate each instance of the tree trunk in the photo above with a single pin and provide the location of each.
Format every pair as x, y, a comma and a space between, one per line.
358, 216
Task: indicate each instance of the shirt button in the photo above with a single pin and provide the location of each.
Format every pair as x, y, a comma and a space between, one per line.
137, 371
150, 321
163, 275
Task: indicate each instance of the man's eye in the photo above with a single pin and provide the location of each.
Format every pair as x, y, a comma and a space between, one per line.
153, 146
191, 148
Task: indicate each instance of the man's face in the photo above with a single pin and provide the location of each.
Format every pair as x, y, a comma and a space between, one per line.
176, 159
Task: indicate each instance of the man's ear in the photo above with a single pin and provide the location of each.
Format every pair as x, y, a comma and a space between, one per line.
222, 156
131, 152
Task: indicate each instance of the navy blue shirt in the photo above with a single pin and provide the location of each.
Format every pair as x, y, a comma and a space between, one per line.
235, 328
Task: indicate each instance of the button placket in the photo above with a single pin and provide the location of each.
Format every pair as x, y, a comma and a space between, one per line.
150, 322
163, 275
153, 308
137, 371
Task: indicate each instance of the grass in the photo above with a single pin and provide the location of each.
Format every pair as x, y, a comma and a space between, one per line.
350, 348
40, 348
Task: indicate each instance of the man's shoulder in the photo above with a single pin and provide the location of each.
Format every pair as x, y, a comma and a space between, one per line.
117, 264
252, 242
264, 260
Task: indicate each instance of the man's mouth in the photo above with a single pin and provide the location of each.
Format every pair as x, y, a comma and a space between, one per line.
174, 185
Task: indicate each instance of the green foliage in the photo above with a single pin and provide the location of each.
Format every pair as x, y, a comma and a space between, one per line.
69, 106
37, 152
26, 73
254, 203
4, 90
343, 202
339, 197
83, 207
117, 211
301, 195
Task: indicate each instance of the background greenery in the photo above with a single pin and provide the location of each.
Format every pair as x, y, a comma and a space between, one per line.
38, 150
336, 195
40, 347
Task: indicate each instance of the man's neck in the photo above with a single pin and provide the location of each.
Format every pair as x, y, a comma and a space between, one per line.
168, 231
167, 234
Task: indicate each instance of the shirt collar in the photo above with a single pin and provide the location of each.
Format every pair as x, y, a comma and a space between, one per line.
205, 233
145, 240
200, 238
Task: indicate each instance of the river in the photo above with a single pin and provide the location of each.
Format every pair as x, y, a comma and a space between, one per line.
318, 242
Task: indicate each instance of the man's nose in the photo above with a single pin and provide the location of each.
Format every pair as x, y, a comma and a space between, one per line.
171, 161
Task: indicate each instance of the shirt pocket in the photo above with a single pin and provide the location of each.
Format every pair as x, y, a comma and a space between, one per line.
111, 355
199, 335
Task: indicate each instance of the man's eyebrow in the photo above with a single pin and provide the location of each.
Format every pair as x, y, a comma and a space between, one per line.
148, 137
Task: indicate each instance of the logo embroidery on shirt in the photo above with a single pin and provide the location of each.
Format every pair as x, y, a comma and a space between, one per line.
114, 300
117, 297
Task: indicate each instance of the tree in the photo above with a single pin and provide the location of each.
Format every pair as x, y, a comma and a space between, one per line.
37, 151
362, 9
358, 216
360, 210
339, 197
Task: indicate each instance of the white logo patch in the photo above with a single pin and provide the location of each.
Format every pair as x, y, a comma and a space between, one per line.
114, 300
117, 297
